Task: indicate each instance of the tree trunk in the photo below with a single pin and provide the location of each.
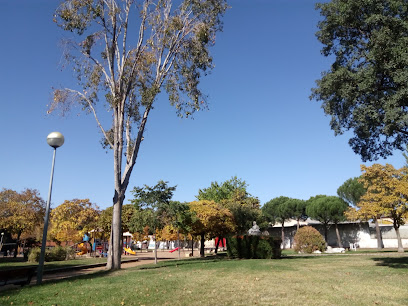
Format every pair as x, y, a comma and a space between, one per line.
298, 224
178, 243
379, 236
283, 235
121, 183
400, 247
192, 247
326, 233
202, 245
17, 244
115, 250
339, 243
155, 250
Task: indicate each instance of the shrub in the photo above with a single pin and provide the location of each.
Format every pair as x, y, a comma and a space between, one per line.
261, 247
34, 255
308, 239
55, 254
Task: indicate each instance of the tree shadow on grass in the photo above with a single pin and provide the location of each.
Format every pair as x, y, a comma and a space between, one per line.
174, 263
392, 262
209, 259
16, 289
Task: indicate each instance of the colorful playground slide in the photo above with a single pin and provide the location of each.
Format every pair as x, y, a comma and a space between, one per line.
130, 251
173, 250
83, 249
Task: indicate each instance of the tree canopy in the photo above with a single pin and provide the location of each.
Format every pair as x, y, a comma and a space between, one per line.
326, 209
105, 218
21, 212
72, 219
218, 192
366, 88
233, 195
210, 220
155, 201
281, 209
351, 191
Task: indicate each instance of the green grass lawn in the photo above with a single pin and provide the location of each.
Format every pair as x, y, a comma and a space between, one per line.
319, 280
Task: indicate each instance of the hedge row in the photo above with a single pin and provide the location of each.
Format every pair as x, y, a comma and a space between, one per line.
55, 254
257, 247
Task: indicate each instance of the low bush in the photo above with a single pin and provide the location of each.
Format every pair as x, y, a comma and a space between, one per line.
34, 255
55, 254
261, 247
308, 239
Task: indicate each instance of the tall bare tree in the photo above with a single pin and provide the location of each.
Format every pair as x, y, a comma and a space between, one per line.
127, 51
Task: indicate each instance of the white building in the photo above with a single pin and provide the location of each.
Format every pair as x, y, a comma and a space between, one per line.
361, 233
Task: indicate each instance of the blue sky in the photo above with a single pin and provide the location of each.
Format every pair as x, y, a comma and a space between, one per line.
260, 126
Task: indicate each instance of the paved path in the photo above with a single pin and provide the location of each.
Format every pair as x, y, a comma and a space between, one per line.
143, 258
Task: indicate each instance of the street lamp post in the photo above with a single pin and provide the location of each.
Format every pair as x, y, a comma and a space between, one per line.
55, 140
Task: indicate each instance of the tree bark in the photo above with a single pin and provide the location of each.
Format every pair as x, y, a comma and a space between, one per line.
326, 233
400, 247
17, 244
202, 245
115, 250
178, 239
283, 235
155, 250
379, 236
339, 243
192, 247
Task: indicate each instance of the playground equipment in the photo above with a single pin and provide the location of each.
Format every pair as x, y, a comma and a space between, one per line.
83, 249
130, 251
173, 250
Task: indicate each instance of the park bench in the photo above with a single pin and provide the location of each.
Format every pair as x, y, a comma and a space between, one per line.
17, 276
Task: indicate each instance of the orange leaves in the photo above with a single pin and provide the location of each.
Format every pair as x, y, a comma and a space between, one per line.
387, 192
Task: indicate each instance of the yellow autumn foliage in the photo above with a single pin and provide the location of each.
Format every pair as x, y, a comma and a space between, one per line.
21, 213
211, 219
72, 219
387, 193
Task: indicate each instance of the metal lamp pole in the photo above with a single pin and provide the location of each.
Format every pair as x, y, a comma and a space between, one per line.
55, 140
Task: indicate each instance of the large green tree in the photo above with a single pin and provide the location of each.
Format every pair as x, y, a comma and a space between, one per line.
218, 192
233, 195
105, 218
124, 53
351, 191
299, 210
154, 207
327, 209
366, 88
279, 209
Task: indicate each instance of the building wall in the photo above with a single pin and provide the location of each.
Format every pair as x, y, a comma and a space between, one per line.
363, 234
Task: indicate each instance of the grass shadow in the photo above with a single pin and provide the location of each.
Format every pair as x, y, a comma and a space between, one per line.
15, 290
392, 262
190, 261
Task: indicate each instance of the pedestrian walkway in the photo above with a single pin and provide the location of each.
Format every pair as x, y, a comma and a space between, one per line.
128, 261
